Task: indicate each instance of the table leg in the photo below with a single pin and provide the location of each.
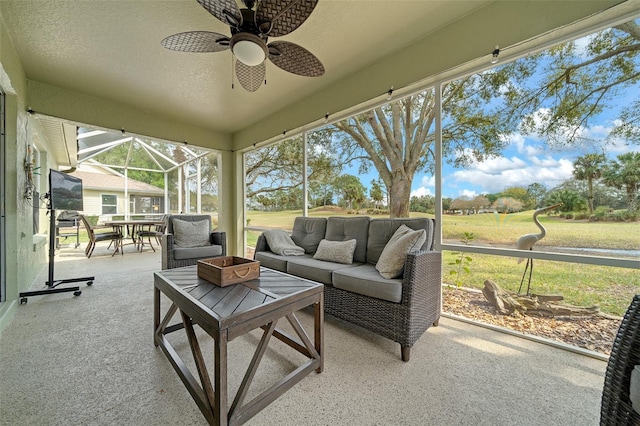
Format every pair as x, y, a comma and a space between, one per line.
220, 391
319, 331
156, 313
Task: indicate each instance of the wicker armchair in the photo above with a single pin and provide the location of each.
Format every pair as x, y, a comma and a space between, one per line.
616, 407
174, 256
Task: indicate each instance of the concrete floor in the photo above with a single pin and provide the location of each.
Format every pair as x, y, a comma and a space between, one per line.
90, 360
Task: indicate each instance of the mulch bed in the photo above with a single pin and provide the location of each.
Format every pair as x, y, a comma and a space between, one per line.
594, 332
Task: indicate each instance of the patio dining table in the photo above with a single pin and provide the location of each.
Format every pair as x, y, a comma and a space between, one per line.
133, 226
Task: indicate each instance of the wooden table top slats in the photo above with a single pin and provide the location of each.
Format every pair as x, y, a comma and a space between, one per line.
226, 302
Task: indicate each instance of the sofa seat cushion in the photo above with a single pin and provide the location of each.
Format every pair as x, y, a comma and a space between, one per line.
275, 261
313, 269
366, 280
182, 253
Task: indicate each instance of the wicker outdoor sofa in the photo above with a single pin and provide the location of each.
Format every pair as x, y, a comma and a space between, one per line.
401, 308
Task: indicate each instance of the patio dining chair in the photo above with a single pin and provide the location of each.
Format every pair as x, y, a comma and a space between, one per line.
153, 231
621, 393
113, 236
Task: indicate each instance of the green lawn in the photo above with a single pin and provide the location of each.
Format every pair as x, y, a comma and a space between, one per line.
584, 285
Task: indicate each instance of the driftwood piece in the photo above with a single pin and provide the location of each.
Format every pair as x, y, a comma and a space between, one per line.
499, 298
507, 302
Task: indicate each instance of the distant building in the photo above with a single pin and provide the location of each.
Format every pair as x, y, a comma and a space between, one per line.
104, 194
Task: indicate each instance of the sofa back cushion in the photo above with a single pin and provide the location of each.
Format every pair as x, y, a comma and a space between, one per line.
308, 231
381, 231
349, 228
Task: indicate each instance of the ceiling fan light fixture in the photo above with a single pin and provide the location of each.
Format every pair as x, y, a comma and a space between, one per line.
248, 48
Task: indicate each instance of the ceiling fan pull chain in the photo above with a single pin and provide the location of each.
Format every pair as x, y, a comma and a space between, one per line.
233, 72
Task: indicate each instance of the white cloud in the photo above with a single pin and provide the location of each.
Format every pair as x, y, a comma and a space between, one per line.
497, 174
427, 187
500, 164
429, 181
518, 141
468, 193
421, 191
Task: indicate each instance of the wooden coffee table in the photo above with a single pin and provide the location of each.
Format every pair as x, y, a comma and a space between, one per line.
225, 313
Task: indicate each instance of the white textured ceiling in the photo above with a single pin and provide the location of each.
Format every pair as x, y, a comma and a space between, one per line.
111, 50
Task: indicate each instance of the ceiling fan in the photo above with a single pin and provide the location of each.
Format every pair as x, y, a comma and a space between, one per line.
250, 30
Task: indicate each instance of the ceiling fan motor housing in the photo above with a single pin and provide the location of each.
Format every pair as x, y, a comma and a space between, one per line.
249, 48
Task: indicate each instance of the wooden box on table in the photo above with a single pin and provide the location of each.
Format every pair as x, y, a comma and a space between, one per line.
227, 270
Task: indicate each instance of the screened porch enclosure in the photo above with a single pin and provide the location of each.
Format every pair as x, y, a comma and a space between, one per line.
187, 175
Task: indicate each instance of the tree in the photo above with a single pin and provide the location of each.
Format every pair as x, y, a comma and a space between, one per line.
571, 200
398, 139
589, 167
376, 193
536, 192
464, 204
507, 205
424, 204
480, 202
624, 173
518, 193
352, 190
278, 167
578, 83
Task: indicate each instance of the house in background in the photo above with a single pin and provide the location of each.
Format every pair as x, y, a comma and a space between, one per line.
107, 194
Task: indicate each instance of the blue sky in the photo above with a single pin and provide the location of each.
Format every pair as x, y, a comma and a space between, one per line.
525, 160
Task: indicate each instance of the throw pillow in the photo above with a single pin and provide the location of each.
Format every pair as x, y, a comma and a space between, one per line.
391, 261
191, 234
336, 251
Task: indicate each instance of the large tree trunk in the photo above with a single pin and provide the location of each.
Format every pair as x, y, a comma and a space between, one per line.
399, 195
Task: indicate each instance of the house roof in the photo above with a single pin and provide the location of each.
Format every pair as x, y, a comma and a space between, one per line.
110, 182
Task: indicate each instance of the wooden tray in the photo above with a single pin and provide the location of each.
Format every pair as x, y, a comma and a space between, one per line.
228, 270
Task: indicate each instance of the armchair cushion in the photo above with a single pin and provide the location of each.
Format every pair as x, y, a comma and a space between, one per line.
191, 234
183, 253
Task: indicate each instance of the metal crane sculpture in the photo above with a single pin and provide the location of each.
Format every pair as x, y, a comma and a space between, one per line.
526, 242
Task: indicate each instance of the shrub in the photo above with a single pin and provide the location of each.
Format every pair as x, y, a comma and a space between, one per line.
374, 212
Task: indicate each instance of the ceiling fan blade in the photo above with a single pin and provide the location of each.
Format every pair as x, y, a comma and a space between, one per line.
295, 59
225, 10
196, 41
276, 18
250, 78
